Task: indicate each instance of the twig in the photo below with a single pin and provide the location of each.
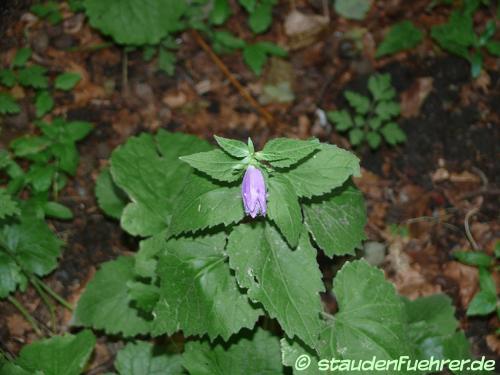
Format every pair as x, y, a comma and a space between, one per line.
468, 233
243, 92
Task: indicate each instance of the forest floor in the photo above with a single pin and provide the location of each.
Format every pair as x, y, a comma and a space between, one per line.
443, 179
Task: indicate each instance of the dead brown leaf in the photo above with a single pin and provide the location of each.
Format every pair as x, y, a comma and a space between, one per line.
413, 98
304, 29
466, 277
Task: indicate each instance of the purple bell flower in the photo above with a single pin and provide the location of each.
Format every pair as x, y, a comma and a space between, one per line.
253, 192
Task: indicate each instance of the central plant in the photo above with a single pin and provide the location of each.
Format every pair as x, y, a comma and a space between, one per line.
231, 235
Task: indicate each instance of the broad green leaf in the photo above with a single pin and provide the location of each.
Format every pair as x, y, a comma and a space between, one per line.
337, 221
359, 102
341, 119
22, 56
28, 145
249, 5
284, 209
58, 355
145, 258
473, 258
257, 354
380, 87
149, 170
261, 18
32, 244
144, 294
356, 136
76, 130
110, 197
204, 204
485, 301
43, 103
57, 210
10, 368
7, 77
457, 35
8, 206
143, 358
106, 304
402, 36
11, 276
198, 293
285, 152
66, 81
216, 164
324, 171
373, 139
221, 12
33, 76
387, 110
297, 355
131, 22
8, 104
353, 9
40, 176
393, 134
233, 147
228, 40
255, 57
67, 155
371, 321
286, 282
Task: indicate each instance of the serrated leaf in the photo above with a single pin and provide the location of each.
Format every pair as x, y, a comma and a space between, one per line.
485, 301
359, 102
401, 36
130, 22
7, 77
387, 110
216, 307
221, 12
287, 283
380, 87
8, 206
474, 258
341, 119
337, 221
261, 18
285, 152
149, 170
216, 164
258, 354
111, 199
146, 359
324, 171
57, 210
371, 320
33, 76
204, 204
284, 209
32, 244
11, 276
456, 35
22, 56
43, 103
373, 139
393, 134
66, 81
292, 352
233, 147
58, 355
8, 104
105, 296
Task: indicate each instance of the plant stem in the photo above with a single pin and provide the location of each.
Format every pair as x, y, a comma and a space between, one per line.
48, 303
53, 294
25, 313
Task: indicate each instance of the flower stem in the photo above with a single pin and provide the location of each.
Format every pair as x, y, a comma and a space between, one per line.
25, 313
48, 303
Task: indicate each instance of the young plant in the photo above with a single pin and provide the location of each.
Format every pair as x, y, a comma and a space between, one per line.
374, 117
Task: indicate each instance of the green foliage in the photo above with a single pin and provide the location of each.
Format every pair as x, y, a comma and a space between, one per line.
256, 55
67, 81
111, 199
8, 104
373, 119
49, 11
474, 258
21, 58
43, 103
402, 36
353, 9
260, 14
221, 12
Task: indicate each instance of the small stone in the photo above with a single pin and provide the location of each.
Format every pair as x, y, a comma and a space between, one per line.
374, 252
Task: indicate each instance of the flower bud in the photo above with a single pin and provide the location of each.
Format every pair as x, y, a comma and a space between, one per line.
253, 192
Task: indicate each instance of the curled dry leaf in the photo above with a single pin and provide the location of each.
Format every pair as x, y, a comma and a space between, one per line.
304, 29
466, 277
413, 98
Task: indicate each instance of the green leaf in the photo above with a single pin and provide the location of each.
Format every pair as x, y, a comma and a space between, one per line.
356, 136
130, 22
221, 12
485, 301
149, 170
272, 49
371, 320
393, 134
40, 176
144, 358
198, 269
66, 81
285, 152
324, 171
77, 130
341, 119
8, 206
43, 103
258, 354
21, 58
373, 139
204, 204
233, 147
337, 221
8, 104
293, 352
11, 275
110, 197
228, 40
10, 368
493, 47
33, 76
57, 210
387, 110
32, 244
216, 164
457, 35
284, 209
380, 87
166, 61
144, 294
287, 283
402, 36
473, 258
359, 102
67, 155
58, 355
353, 9
29, 145
249, 5
261, 18
106, 304
7, 77
255, 57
